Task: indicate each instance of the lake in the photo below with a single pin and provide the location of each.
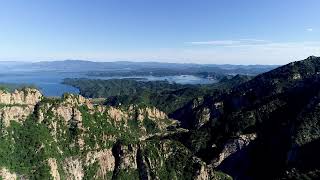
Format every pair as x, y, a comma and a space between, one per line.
50, 83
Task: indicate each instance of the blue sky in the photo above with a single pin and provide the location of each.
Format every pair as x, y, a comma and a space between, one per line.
198, 31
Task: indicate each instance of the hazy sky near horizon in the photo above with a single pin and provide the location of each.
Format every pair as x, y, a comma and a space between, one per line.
191, 31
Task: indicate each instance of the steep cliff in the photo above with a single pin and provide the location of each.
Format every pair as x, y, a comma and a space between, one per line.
18, 105
70, 138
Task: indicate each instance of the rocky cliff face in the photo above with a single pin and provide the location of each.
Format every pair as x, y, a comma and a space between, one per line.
233, 146
18, 105
16, 113
70, 138
7, 175
24, 97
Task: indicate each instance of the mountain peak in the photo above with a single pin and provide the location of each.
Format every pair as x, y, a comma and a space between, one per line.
312, 57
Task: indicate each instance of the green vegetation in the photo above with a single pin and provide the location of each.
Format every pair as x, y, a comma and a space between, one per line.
150, 126
100, 124
161, 94
221, 176
24, 148
12, 105
131, 174
173, 162
90, 171
51, 100
97, 125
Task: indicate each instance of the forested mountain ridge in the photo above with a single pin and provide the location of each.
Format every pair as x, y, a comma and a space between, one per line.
262, 128
280, 107
166, 96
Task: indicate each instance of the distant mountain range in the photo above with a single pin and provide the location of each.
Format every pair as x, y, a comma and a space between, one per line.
133, 67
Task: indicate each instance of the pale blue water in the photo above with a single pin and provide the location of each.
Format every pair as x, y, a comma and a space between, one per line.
50, 83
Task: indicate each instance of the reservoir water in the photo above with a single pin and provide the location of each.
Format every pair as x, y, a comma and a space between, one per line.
50, 83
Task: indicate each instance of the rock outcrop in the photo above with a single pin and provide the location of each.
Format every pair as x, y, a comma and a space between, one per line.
24, 97
73, 168
5, 174
233, 146
16, 113
54, 168
18, 105
105, 160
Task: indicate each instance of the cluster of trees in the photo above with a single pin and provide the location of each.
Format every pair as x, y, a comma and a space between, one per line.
24, 148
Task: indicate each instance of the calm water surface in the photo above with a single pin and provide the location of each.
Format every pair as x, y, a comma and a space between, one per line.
50, 83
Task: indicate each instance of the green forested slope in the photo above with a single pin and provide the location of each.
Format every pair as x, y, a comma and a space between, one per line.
161, 94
